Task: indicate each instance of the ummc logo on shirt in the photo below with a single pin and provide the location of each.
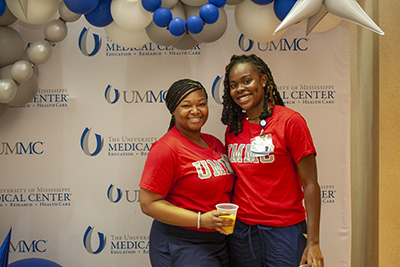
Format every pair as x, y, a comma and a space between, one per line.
219, 167
240, 153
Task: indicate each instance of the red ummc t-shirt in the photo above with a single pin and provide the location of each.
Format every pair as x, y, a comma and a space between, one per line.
188, 175
268, 189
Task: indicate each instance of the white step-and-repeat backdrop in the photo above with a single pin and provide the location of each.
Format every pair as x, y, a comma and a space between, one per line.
72, 158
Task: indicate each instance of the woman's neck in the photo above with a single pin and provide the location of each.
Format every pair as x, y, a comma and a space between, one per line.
196, 138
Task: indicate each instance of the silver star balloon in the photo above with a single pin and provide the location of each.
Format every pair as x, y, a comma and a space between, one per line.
314, 11
24, 7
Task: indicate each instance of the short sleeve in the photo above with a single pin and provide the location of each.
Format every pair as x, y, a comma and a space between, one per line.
160, 170
298, 137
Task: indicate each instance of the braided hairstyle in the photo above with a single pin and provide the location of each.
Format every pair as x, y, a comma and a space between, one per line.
177, 92
231, 112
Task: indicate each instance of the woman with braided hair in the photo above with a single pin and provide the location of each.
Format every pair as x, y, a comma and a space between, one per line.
272, 153
185, 175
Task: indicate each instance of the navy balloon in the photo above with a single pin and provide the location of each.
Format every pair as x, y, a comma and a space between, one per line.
162, 16
81, 6
209, 13
262, 2
151, 5
3, 7
101, 15
177, 26
283, 7
194, 24
217, 3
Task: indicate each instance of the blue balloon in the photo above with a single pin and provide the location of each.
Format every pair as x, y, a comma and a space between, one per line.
162, 16
101, 15
194, 24
209, 13
283, 7
81, 6
217, 3
177, 27
3, 7
34, 262
263, 2
151, 5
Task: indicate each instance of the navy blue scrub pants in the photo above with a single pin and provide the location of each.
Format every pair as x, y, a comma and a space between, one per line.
266, 246
173, 246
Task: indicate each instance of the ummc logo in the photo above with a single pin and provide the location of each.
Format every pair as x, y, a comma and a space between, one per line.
283, 45
129, 97
87, 241
24, 247
33, 148
83, 40
107, 95
85, 143
130, 196
216, 90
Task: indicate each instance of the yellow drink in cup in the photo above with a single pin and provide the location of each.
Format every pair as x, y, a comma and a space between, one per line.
232, 209
229, 229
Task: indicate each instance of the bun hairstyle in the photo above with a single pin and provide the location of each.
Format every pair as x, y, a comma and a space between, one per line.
177, 92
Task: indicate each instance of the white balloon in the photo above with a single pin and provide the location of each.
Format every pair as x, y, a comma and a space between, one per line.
301, 10
26, 92
130, 16
8, 90
66, 14
350, 10
194, 2
128, 39
212, 32
55, 31
39, 52
34, 67
257, 22
34, 11
21, 71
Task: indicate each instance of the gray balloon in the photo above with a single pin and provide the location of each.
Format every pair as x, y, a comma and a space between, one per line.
186, 43
3, 109
55, 30
161, 36
26, 92
66, 14
39, 52
21, 71
8, 90
212, 32
7, 18
11, 46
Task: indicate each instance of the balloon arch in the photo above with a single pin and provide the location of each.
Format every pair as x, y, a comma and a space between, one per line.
181, 24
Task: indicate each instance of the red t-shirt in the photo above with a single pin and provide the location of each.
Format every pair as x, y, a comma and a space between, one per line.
268, 189
188, 175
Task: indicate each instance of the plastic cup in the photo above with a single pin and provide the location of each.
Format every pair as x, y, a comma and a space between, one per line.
232, 209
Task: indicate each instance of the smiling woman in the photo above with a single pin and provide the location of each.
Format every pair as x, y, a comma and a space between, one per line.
191, 114
186, 174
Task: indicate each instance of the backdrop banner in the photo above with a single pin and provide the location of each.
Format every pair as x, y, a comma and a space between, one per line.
72, 158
